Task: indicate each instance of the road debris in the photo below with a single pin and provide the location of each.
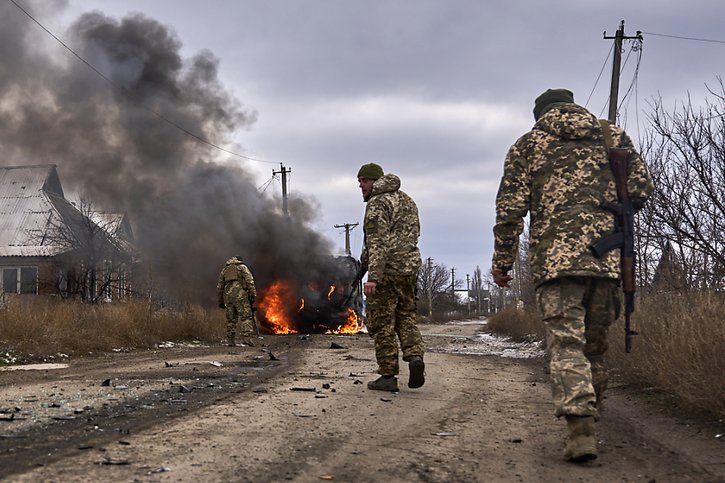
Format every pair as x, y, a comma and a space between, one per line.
158, 470
111, 461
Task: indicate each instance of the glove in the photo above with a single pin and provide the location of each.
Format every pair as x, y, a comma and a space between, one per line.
221, 305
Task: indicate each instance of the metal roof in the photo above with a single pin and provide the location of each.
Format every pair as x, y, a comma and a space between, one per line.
30, 198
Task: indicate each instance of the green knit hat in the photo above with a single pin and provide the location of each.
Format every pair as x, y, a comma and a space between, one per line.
370, 171
544, 101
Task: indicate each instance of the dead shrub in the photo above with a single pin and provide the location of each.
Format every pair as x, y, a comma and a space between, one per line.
42, 326
519, 324
678, 349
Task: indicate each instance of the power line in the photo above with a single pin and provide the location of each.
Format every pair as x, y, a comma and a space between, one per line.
599, 76
263, 187
636, 47
130, 94
685, 38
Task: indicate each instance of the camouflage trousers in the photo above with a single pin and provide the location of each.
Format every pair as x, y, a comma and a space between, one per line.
239, 311
390, 316
577, 313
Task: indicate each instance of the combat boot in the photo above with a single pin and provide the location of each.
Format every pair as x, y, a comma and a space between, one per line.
384, 383
248, 341
581, 444
416, 377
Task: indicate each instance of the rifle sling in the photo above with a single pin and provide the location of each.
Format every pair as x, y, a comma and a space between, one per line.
607, 133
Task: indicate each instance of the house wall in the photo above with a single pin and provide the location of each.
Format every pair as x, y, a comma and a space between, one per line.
53, 277
42, 269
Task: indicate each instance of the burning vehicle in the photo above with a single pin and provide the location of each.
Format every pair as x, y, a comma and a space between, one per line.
327, 302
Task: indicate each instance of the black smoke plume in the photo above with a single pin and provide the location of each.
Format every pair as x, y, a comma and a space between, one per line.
191, 205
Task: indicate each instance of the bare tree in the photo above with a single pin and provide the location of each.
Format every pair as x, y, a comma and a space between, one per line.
92, 260
434, 289
479, 294
685, 151
523, 282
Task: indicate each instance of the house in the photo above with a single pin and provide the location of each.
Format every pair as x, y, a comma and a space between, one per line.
50, 246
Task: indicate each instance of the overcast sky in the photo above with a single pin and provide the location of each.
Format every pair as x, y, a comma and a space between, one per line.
435, 91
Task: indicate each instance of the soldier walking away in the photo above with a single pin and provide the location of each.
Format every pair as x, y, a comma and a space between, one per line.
390, 253
559, 173
236, 293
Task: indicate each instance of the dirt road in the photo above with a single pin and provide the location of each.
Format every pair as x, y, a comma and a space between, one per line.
297, 409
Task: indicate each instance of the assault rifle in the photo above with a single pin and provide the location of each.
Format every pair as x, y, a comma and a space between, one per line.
623, 236
356, 283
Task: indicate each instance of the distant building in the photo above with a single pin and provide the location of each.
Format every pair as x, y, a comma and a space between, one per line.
49, 246
669, 275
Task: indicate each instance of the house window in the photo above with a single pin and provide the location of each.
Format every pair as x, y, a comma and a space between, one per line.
107, 289
10, 280
22, 280
122, 282
91, 289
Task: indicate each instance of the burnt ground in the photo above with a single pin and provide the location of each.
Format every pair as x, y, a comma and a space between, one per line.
297, 409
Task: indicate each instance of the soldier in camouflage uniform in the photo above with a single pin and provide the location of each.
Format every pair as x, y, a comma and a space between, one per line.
391, 254
236, 293
559, 173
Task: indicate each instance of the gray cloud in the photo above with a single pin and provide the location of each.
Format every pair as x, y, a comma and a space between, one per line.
307, 67
110, 144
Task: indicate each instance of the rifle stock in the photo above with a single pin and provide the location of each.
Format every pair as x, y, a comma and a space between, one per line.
623, 237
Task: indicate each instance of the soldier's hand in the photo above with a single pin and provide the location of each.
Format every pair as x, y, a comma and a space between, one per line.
500, 278
369, 288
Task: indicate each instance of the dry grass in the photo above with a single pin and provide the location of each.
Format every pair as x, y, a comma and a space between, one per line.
38, 327
520, 325
680, 349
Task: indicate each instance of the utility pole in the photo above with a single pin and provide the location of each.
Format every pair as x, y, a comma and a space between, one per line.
430, 288
453, 284
468, 292
283, 172
348, 228
616, 65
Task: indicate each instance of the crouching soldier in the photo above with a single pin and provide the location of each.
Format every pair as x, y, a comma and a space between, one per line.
236, 293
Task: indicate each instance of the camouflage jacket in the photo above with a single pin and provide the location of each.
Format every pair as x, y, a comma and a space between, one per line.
235, 283
391, 229
559, 173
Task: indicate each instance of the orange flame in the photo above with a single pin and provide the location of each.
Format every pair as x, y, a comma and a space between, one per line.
351, 325
277, 305
273, 303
